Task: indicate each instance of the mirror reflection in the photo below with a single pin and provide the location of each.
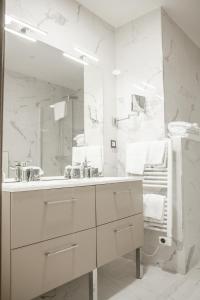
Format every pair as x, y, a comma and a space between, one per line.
43, 107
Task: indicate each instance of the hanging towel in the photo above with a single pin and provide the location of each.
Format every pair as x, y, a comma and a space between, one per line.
154, 207
157, 151
59, 110
136, 157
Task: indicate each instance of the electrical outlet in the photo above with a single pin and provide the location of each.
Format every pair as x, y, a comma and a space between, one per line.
165, 241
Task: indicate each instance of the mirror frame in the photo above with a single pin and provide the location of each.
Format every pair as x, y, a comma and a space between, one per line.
2, 50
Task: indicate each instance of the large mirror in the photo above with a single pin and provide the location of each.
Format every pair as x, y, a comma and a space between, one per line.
43, 106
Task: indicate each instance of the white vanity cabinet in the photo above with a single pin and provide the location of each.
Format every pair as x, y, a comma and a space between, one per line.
56, 234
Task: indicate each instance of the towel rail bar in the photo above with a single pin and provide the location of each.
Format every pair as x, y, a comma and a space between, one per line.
159, 179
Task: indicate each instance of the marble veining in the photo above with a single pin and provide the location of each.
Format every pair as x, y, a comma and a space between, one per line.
181, 72
141, 76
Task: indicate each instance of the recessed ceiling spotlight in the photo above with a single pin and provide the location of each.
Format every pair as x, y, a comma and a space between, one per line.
116, 72
22, 35
78, 60
11, 19
85, 53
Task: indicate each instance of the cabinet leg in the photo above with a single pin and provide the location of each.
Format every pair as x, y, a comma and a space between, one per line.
139, 267
93, 292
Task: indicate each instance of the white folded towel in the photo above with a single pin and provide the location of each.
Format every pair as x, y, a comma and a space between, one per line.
136, 157
156, 153
154, 207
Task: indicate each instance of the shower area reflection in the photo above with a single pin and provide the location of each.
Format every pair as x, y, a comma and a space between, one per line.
44, 106
60, 123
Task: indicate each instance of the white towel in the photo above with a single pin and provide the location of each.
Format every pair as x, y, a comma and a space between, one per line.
59, 110
94, 156
156, 153
154, 207
136, 157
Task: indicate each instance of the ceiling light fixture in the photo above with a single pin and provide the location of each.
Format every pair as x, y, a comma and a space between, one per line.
10, 19
85, 53
78, 60
22, 35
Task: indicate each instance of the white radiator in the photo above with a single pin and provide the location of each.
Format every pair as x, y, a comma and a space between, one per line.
158, 180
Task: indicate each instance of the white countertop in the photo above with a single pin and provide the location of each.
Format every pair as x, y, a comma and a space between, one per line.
63, 183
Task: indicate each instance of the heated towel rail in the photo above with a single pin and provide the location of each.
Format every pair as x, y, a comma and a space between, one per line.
158, 179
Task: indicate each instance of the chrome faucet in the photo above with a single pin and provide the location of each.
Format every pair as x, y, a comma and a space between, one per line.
25, 173
88, 170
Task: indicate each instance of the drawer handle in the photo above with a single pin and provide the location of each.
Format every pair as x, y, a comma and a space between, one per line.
123, 229
60, 202
51, 253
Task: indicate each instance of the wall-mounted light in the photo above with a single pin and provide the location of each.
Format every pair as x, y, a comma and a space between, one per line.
22, 35
139, 87
11, 19
85, 53
150, 86
78, 60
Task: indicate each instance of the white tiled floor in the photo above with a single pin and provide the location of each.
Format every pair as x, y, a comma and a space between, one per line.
117, 282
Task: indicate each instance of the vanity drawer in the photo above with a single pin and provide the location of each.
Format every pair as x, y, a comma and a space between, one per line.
39, 268
119, 238
117, 201
41, 215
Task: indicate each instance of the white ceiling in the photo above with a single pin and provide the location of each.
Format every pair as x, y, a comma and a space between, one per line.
186, 13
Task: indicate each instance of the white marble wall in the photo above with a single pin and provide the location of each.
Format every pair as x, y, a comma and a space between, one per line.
181, 67
181, 71
139, 57
69, 24
190, 203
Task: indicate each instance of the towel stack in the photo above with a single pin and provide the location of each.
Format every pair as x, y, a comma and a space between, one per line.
179, 128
